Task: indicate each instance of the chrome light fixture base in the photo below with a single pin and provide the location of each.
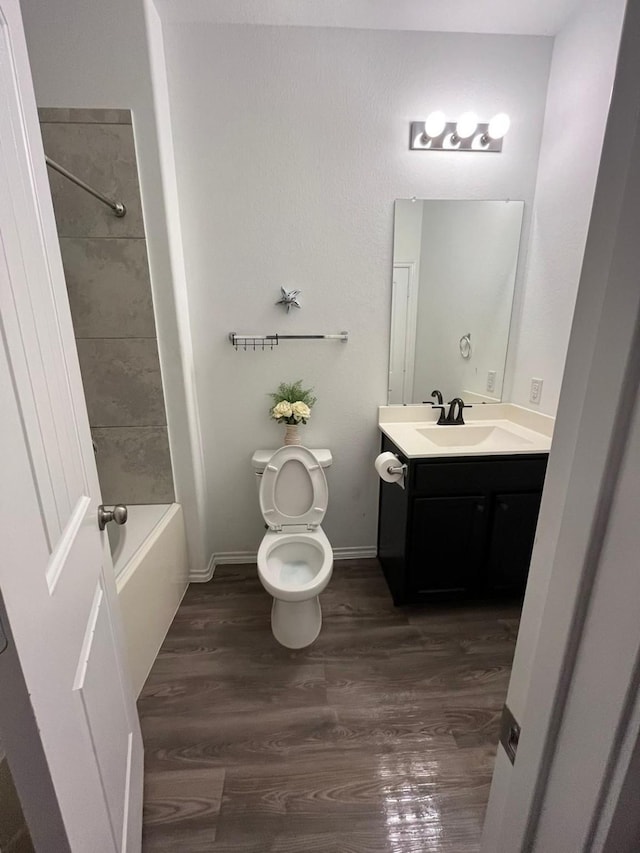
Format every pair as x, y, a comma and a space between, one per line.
478, 142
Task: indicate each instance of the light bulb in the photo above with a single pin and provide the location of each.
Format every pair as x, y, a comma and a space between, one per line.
498, 126
466, 125
435, 124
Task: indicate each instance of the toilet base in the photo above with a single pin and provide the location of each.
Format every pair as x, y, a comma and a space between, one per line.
296, 624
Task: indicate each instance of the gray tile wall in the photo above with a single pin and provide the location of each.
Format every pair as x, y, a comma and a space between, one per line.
107, 273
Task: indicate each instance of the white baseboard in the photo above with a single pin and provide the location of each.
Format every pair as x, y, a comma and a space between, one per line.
229, 558
202, 575
358, 552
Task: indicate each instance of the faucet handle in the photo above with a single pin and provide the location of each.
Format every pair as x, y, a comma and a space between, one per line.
456, 406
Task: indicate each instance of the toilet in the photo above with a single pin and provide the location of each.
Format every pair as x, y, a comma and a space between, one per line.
295, 559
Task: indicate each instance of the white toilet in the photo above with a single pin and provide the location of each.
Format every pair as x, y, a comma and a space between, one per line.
295, 559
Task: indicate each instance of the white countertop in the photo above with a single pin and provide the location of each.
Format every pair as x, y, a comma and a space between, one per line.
500, 429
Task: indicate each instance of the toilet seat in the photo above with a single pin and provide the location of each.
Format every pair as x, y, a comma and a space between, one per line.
273, 514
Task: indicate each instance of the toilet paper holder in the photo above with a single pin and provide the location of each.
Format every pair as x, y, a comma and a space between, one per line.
390, 469
399, 469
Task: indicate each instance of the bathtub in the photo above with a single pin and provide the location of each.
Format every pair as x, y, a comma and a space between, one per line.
150, 563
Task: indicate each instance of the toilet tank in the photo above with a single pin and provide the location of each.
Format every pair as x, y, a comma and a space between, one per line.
260, 459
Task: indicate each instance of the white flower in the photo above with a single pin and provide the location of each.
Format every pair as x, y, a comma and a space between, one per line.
300, 411
283, 409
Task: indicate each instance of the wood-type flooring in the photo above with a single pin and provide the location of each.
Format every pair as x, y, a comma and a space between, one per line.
378, 738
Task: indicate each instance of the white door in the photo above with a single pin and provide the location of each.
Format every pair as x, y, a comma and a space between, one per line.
575, 683
56, 576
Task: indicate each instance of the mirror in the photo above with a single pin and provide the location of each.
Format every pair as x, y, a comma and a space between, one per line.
454, 270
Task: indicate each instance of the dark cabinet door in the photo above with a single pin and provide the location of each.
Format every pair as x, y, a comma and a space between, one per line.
446, 544
513, 530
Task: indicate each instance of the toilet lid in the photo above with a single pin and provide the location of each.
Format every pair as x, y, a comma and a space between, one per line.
273, 490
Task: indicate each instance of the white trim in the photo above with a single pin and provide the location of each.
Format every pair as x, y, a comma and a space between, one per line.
465, 16
357, 552
172, 315
205, 574
235, 558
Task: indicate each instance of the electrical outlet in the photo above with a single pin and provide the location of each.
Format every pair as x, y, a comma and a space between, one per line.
536, 390
491, 380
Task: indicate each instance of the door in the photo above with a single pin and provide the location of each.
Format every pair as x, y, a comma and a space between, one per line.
56, 575
575, 683
513, 530
447, 541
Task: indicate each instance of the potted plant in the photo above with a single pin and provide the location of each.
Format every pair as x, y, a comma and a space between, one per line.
291, 406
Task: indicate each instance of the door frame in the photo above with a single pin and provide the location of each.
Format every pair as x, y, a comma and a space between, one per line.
411, 310
576, 672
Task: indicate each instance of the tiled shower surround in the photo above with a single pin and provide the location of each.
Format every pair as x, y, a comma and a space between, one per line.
107, 273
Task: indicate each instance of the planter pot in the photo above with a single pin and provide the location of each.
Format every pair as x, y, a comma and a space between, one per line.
292, 434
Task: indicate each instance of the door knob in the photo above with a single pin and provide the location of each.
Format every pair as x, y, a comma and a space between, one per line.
119, 514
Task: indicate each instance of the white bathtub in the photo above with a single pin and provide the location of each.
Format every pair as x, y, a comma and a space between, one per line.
150, 562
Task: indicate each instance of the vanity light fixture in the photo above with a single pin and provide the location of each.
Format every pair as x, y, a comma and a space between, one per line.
466, 126
434, 125
465, 134
498, 127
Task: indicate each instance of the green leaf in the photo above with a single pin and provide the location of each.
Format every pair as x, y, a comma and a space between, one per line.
293, 392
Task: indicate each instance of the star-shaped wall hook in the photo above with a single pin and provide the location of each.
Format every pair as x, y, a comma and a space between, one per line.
289, 298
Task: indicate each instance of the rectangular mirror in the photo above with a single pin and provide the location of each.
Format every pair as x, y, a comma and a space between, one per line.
454, 270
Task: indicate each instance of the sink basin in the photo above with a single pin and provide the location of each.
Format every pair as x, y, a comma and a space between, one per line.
472, 435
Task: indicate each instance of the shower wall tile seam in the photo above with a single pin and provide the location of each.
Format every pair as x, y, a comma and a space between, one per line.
106, 237
117, 338
129, 426
86, 115
110, 237
89, 123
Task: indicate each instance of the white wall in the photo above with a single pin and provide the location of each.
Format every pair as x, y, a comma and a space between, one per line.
580, 85
90, 54
291, 146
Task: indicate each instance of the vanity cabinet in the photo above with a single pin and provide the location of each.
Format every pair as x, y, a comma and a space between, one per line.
462, 527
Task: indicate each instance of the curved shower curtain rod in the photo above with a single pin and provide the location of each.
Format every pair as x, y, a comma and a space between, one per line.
117, 206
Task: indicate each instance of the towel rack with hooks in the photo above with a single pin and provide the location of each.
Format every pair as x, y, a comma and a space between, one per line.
270, 341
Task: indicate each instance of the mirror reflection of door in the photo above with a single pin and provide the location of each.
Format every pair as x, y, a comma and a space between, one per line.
454, 273
403, 321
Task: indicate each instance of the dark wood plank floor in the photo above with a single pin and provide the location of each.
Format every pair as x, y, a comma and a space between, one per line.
379, 738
